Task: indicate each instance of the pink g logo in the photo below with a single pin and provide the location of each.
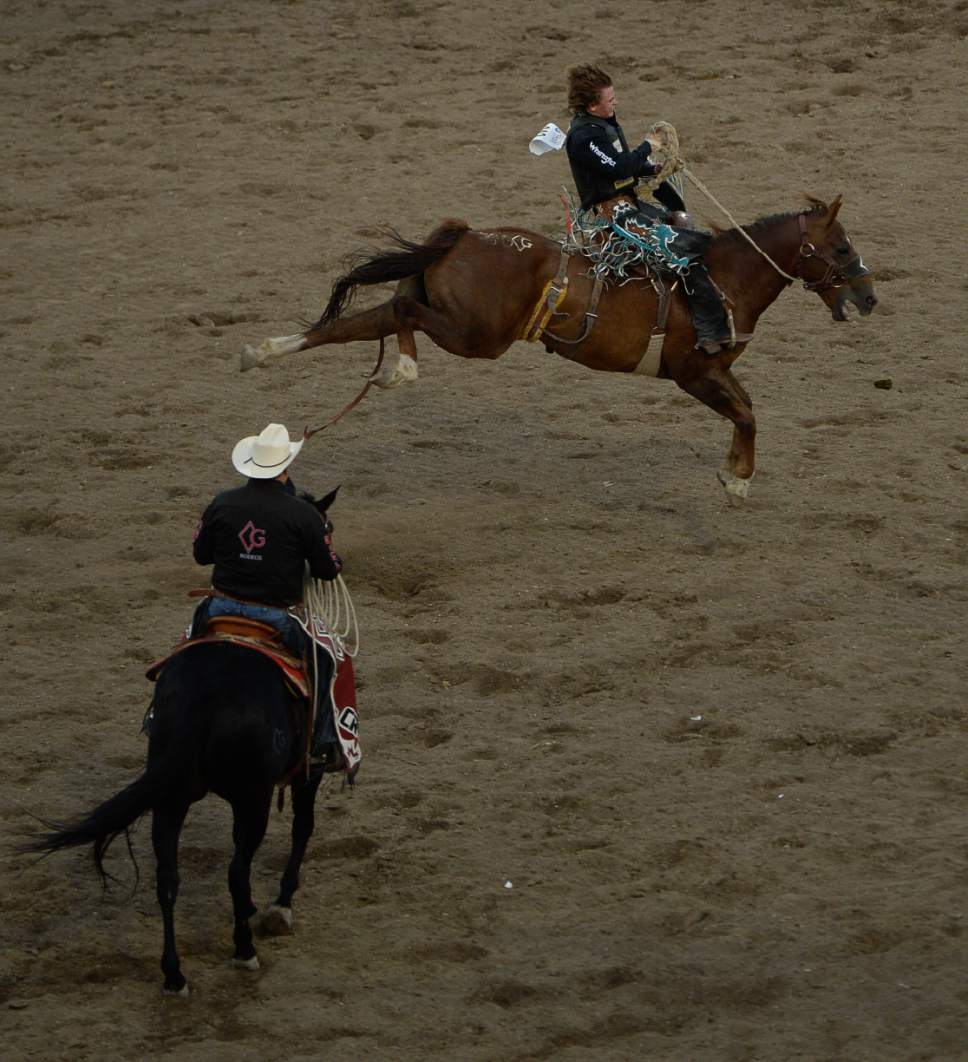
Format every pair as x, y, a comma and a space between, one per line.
252, 537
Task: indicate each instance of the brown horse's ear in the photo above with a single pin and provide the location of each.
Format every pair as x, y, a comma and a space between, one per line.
833, 209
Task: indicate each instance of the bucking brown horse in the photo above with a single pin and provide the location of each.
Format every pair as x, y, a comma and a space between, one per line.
474, 292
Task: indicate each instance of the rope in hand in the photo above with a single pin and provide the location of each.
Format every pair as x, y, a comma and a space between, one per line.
664, 134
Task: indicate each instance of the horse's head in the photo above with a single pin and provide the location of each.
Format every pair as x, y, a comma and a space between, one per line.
828, 264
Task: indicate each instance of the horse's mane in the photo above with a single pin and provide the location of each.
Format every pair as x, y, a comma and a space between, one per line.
724, 236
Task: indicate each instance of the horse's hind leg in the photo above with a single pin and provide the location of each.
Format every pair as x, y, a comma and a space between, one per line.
409, 290
375, 323
165, 827
458, 333
722, 392
250, 817
278, 918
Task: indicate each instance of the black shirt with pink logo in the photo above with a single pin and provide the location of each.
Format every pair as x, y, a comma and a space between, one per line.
259, 537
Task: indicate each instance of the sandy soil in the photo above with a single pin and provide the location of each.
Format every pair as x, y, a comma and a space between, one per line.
718, 754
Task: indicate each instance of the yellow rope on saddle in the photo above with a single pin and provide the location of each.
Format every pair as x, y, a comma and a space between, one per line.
552, 296
538, 321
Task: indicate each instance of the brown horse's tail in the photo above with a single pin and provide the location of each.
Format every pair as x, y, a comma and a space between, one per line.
407, 260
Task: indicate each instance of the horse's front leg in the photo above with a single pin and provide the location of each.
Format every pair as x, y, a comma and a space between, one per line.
250, 818
722, 392
278, 916
165, 828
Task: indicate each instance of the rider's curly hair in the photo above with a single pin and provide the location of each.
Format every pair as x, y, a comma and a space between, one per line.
584, 85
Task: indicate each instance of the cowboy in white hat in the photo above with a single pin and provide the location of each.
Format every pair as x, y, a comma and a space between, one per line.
267, 455
260, 536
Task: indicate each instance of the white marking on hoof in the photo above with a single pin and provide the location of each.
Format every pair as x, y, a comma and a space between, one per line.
249, 358
276, 921
404, 370
247, 964
182, 992
284, 344
736, 488
273, 347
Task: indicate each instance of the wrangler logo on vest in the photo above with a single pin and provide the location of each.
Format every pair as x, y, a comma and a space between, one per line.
607, 159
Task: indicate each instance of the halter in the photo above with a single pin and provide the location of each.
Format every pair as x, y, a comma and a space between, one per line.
836, 275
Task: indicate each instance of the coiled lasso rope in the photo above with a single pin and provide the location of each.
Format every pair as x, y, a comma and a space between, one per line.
665, 136
328, 603
328, 606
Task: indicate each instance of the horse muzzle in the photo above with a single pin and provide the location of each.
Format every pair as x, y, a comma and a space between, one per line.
858, 295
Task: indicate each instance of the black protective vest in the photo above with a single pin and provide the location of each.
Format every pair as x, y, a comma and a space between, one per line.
601, 172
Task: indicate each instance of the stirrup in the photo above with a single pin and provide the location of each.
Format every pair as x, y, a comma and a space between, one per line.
328, 757
717, 346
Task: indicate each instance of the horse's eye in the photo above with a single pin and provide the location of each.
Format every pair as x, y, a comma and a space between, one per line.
844, 250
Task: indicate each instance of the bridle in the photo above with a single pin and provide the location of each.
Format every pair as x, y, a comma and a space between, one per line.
836, 276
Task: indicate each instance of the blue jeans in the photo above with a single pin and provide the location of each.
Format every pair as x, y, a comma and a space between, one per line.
275, 617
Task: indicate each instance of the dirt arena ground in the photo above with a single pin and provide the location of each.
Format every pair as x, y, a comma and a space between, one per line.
646, 776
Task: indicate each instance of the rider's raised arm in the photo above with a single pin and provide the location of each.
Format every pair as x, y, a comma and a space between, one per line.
593, 148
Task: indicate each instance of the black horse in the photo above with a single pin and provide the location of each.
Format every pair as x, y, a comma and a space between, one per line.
222, 722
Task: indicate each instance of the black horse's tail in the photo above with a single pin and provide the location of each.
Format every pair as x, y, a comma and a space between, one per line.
409, 260
112, 818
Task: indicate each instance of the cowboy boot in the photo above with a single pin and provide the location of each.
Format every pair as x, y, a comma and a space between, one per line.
708, 314
325, 752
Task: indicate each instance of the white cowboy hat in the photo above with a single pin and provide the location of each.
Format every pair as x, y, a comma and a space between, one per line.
266, 455
550, 138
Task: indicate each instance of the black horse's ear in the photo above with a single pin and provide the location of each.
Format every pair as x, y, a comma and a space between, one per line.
324, 503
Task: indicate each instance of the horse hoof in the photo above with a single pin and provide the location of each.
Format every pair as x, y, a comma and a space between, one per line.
247, 964
182, 992
249, 358
736, 489
404, 371
276, 921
